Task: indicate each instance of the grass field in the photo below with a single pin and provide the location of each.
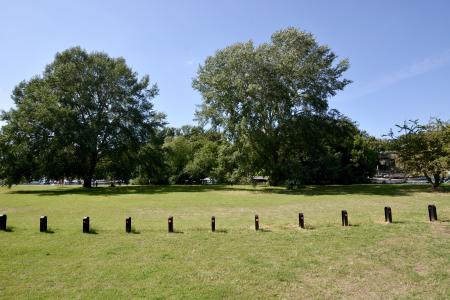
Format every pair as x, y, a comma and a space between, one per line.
370, 259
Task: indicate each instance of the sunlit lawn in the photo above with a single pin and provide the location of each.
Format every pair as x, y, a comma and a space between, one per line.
370, 259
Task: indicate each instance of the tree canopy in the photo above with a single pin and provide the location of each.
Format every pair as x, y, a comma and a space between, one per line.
264, 112
86, 110
424, 149
271, 101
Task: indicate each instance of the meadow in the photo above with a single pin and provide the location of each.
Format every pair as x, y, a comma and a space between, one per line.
409, 258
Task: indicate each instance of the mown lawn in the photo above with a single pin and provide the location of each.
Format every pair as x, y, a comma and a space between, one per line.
370, 259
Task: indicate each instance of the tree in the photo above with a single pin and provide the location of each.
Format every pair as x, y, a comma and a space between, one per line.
152, 167
424, 149
192, 153
327, 149
230, 166
258, 95
179, 152
84, 109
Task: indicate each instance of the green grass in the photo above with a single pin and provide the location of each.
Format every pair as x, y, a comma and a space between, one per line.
370, 259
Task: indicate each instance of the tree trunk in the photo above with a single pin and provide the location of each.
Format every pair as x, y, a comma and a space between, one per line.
437, 181
428, 178
275, 178
87, 181
273, 181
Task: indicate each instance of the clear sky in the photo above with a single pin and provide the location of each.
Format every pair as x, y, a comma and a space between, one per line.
399, 51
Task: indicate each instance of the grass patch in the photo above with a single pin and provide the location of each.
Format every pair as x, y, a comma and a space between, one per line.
370, 259
134, 230
92, 231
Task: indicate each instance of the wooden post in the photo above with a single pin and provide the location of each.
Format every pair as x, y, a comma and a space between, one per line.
344, 218
256, 222
3, 219
301, 220
170, 223
213, 223
128, 225
43, 224
431, 212
435, 213
86, 225
388, 214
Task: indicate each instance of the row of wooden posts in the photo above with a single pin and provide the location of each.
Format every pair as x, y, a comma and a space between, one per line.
432, 214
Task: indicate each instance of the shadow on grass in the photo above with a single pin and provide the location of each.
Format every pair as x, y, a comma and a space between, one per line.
352, 225
134, 231
9, 229
397, 222
49, 231
311, 190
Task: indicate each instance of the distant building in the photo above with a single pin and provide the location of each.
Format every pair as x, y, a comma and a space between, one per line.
260, 179
208, 180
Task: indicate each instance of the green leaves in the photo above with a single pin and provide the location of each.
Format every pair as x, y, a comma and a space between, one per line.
85, 108
258, 95
425, 149
192, 154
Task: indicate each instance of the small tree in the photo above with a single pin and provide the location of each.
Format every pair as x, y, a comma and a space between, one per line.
425, 149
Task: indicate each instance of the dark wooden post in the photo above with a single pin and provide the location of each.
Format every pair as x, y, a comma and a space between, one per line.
128, 225
86, 225
3, 219
256, 222
431, 212
385, 214
344, 218
170, 223
301, 220
435, 213
213, 223
388, 214
43, 224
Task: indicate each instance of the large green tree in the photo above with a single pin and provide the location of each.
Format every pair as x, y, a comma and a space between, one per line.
259, 95
424, 149
84, 109
326, 149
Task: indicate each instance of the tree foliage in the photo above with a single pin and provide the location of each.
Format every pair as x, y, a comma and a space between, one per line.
192, 154
87, 113
327, 149
424, 149
264, 112
271, 103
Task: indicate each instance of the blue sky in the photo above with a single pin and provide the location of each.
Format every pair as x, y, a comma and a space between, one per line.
399, 51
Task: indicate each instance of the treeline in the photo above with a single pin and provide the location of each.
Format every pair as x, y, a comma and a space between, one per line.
333, 151
264, 112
